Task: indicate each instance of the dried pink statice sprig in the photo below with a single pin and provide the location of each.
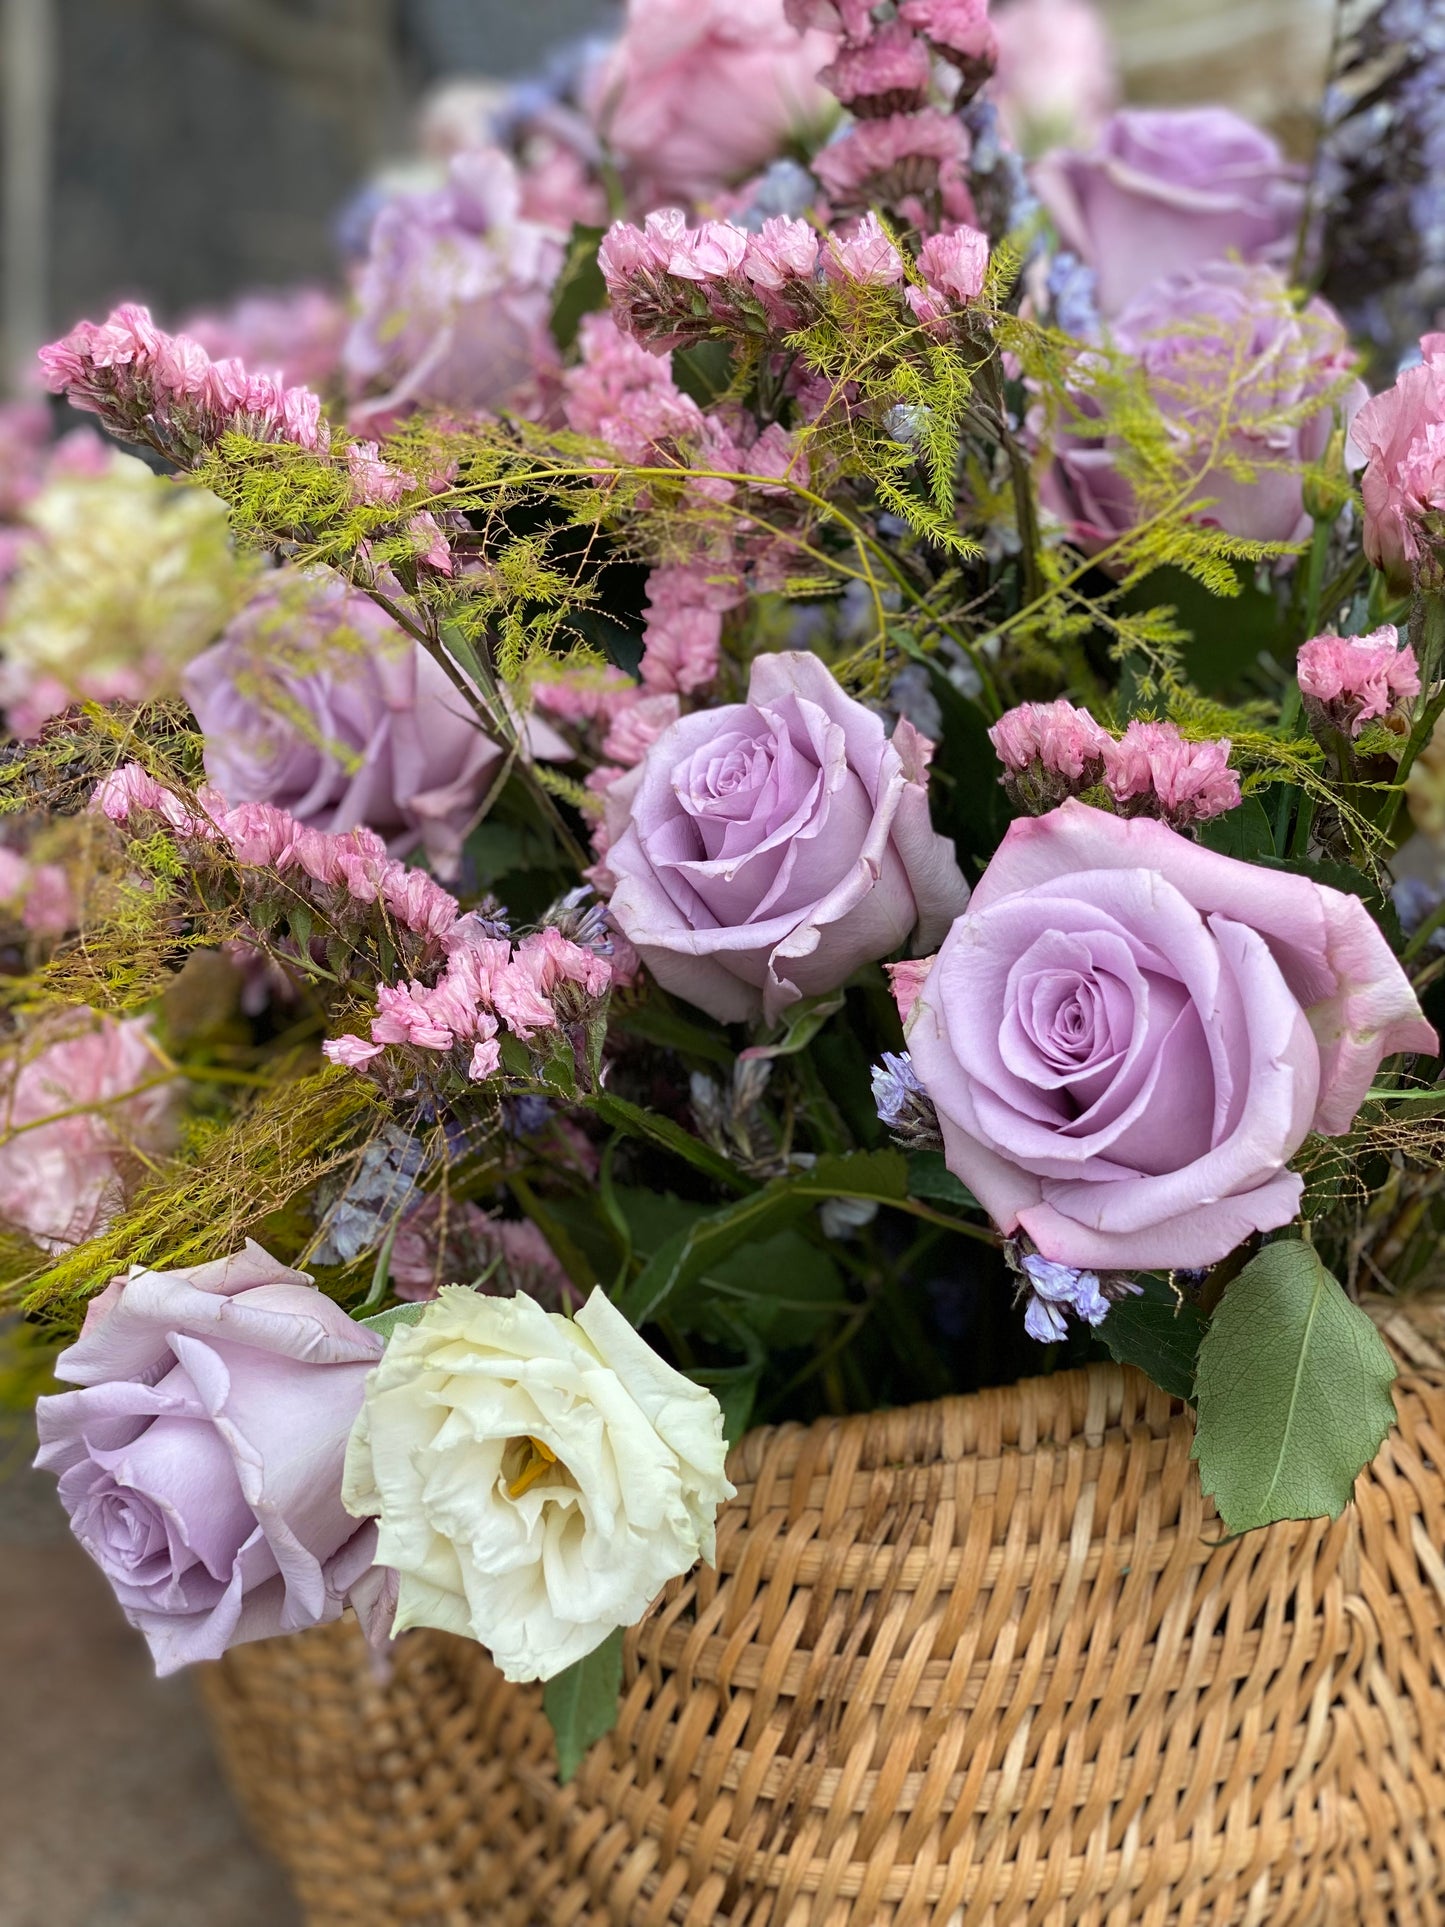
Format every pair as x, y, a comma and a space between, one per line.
1348, 681
1154, 771
165, 391
954, 266
1052, 751
889, 73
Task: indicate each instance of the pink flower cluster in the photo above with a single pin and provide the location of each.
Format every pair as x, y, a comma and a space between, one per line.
670, 284
149, 386
262, 837
1051, 751
40, 891
164, 390
1348, 681
452, 1241
1401, 433
546, 982
913, 164
622, 394
1153, 771
953, 265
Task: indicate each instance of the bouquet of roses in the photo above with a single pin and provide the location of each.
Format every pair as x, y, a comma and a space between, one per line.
776, 795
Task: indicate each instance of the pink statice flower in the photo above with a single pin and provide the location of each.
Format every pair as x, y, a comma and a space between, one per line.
1348, 681
351, 1051
635, 728
887, 74
39, 893
1401, 434
851, 18
781, 268
148, 386
683, 634
954, 265
81, 1117
959, 29
445, 1241
913, 163
550, 980
1153, 771
1049, 751
623, 394
866, 257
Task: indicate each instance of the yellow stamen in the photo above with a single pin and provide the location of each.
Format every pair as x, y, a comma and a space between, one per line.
543, 1457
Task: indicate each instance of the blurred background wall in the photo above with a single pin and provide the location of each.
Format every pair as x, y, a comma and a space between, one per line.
181, 150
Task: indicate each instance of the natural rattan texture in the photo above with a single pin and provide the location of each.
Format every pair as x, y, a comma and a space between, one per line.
981, 1663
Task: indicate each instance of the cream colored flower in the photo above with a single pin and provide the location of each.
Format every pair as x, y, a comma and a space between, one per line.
537, 1479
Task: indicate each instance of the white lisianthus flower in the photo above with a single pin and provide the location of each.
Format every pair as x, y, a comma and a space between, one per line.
537, 1479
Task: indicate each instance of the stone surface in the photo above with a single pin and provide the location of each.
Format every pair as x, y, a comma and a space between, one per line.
113, 1809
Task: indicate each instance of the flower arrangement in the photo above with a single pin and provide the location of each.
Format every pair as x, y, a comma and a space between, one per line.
793, 800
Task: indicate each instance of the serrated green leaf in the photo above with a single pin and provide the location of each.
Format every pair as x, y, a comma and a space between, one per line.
387, 1322
581, 1702
1292, 1392
1160, 1333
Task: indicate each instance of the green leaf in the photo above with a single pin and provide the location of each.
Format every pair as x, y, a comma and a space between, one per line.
1244, 832
387, 1322
1292, 1391
881, 1176
623, 1115
930, 1178
658, 1023
580, 287
1158, 1332
803, 1023
581, 1702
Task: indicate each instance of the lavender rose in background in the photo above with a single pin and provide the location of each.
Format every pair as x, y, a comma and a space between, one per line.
200, 1462
315, 701
1165, 191
454, 299
1127, 1037
1224, 337
764, 850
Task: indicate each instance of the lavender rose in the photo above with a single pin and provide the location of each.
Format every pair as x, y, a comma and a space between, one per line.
201, 1461
1166, 190
1223, 329
315, 701
1127, 1037
764, 850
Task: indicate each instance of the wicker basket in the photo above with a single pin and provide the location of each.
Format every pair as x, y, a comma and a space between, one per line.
982, 1663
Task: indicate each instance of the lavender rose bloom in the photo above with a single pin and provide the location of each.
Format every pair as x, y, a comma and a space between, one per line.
1223, 330
200, 1461
455, 298
1168, 189
764, 850
314, 700
1127, 1037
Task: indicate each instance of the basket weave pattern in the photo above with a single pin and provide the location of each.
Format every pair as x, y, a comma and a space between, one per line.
980, 1663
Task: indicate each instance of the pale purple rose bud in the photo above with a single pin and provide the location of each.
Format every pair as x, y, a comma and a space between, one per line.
200, 1460
1128, 1036
1153, 771
1167, 190
1348, 681
764, 850
1054, 1289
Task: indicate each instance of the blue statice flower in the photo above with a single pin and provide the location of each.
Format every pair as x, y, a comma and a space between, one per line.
1071, 286
525, 1116
895, 1086
1055, 1289
785, 188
